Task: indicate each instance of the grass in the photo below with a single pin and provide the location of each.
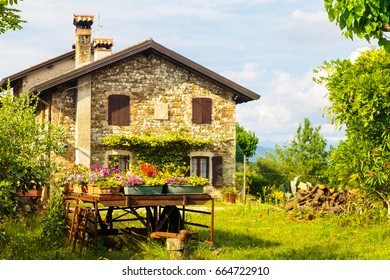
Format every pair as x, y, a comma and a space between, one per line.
253, 231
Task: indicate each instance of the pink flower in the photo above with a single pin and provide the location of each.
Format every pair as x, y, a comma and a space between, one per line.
371, 173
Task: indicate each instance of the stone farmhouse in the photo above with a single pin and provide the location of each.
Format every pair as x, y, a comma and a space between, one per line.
145, 88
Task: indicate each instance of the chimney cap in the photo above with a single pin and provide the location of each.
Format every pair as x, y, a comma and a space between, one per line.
103, 43
83, 21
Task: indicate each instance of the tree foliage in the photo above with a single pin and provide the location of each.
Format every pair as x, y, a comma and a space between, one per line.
306, 155
26, 145
363, 18
9, 17
359, 93
246, 143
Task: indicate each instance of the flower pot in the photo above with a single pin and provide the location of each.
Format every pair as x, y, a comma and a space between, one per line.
68, 188
79, 188
93, 189
229, 197
103, 190
184, 189
143, 190
31, 193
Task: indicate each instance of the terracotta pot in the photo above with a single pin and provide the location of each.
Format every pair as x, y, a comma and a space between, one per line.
229, 197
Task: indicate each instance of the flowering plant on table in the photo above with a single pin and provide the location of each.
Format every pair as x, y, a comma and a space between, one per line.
177, 181
105, 177
132, 180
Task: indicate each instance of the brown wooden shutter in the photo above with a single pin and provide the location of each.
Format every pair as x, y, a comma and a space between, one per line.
207, 104
187, 162
201, 110
217, 171
118, 110
196, 110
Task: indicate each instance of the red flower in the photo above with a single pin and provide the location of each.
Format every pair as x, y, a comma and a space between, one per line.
149, 170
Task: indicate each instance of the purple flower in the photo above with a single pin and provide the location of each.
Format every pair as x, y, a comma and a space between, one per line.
131, 181
105, 172
177, 181
115, 170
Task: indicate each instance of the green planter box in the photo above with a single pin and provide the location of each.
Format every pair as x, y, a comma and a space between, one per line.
184, 189
143, 190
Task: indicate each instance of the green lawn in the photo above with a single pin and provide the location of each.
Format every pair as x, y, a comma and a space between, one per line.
259, 231
253, 231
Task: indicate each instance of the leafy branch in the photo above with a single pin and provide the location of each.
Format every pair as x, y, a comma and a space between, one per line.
9, 17
363, 18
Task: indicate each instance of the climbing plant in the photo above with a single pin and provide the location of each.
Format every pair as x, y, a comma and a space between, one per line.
157, 149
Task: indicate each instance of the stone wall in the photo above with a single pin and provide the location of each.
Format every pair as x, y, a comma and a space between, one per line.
63, 112
152, 81
44, 74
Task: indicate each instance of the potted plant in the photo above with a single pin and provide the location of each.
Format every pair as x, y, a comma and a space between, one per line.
198, 183
76, 179
135, 185
98, 180
229, 194
185, 185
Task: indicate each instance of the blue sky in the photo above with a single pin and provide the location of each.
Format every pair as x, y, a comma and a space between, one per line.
269, 46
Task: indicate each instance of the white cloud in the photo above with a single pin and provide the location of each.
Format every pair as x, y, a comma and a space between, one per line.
303, 27
354, 55
249, 73
288, 100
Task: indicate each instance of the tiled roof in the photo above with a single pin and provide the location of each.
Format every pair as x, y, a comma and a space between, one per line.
242, 94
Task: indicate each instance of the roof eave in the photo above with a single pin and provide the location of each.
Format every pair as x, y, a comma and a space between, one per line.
242, 94
27, 71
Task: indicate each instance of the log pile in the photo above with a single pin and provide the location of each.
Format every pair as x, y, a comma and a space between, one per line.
319, 197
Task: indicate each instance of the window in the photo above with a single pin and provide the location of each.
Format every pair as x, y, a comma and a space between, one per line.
201, 110
118, 161
200, 166
119, 110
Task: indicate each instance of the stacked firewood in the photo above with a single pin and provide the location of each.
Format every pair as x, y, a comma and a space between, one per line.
319, 197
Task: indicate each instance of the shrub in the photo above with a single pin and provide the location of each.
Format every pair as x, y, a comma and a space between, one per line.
53, 226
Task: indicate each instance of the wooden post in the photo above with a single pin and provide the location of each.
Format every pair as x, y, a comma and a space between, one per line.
212, 222
244, 184
177, 243
177, 249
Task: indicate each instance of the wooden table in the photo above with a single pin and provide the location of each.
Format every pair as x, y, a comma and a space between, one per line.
164, 212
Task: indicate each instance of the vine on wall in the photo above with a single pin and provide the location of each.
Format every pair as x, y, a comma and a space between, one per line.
159, 150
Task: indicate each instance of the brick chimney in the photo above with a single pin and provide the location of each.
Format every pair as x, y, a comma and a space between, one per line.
102, 47
83, 25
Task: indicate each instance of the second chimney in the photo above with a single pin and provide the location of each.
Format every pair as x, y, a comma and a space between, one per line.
83, 25
102, 47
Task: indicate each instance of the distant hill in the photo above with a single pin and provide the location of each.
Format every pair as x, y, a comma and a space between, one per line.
260, 151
